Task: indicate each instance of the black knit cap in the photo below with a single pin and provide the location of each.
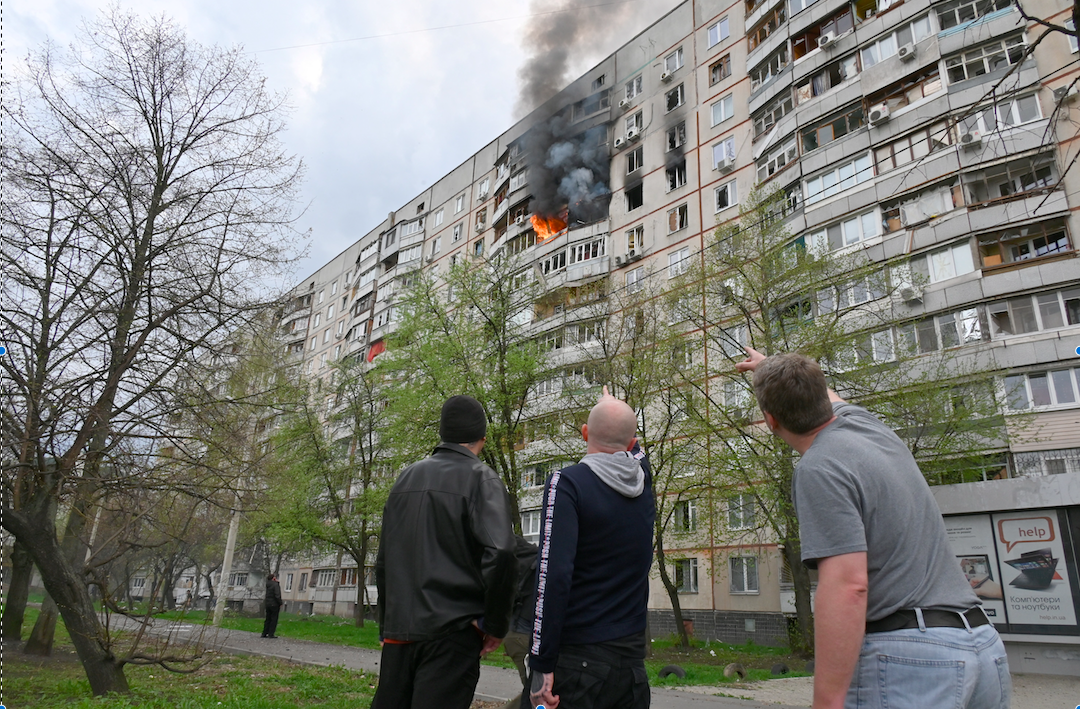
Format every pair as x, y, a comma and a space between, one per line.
463, 420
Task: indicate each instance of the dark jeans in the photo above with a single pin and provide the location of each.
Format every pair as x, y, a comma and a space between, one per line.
594, 677
270, 624
421, 675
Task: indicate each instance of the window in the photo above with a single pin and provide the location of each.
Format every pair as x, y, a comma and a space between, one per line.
949, 262
718, 32
333, 291
726, 196
322, 293
769, 24
821, 134
478, 248
809, 41
741, 511
838, 179
635, 239
583, 333
413, 227
1011, 179
827, 79
238, 579
598, 82
744, 578
887, 46
676, 136
436, 245
685, 516
330, 313
678, 262
634, 122
1074, 45
985, 59
457, 233
720, 70
485, 187
588, 250
777, 109
674, 61
633, 160
633, 87
340, 327
517, 180
847, 232
732, 343
908, 91
928, 204
303, 581
369, 250
314, 343
1056, 387
326, 336
1005, 114
913, 147
774, 161
591, 104
288, 582
635, 197
459, 204
411, 254
530, 526
769, 69
323, 578
676, 175
958, 12
140, 582
723, 109
554, 262
1032, 313
798, 6
675, 98
725, 149
678, 218
686, 576
318, 317
635, 280
939, 332
439, 217
1024, 243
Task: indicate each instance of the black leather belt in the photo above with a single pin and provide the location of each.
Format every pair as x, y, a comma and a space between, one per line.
905, 619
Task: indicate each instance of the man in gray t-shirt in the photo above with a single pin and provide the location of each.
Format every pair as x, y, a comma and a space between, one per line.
896, 622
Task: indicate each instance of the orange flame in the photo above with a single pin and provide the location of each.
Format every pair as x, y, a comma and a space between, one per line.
547, 227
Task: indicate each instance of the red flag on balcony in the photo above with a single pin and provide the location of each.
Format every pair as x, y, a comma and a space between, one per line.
376, 349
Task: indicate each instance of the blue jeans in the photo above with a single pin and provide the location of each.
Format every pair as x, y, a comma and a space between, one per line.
942, 668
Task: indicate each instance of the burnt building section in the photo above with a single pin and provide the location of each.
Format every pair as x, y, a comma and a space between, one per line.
939, 132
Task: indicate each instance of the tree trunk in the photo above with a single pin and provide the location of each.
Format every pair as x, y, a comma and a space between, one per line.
22, 571
673, 593
801, 635
40, 641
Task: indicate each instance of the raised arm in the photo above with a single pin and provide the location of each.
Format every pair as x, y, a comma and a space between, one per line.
754, 358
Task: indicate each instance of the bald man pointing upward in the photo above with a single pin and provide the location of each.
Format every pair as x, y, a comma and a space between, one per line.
592, 579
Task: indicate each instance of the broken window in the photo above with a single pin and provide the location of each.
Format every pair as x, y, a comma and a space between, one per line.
588, 250
633, 87
832, 128
675, 98
827, 79
836, 25
945, 263
634, 122
913, 147
909, 90
1032, 313
846, 232
1010, 179
678, 218
1007, 113
773, 162
769, 69
888, 45
839, 178
724, 151
635, 239
635, 197
958, 12
985, 59
676, 136
768, 24
676, 175
726, 196
1024, 243
720, 70
768, 116
674, 61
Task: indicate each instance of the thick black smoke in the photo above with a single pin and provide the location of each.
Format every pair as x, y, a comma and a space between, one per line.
568, 170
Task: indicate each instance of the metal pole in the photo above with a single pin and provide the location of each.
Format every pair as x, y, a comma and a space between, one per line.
226, 568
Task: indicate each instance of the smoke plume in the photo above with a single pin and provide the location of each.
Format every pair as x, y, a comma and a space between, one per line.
568, 170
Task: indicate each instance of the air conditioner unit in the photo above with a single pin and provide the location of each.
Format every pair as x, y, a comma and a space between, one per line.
1063, 94
971, 140
724, 164
519, 219
906, 53
666, 77
624, 104
826, 39
632, 256
633, 134
878, 114
619, 142
479, 228
911, 294
618, 261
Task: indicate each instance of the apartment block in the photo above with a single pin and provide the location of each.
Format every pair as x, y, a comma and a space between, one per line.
913, 128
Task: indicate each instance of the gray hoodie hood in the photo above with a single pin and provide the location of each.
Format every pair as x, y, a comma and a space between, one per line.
620, 471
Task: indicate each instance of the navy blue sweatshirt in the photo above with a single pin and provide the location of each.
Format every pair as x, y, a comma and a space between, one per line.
592, 577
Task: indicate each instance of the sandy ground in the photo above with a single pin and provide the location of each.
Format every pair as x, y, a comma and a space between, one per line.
1029, 691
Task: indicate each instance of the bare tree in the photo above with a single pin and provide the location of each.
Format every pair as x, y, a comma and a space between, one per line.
146, 203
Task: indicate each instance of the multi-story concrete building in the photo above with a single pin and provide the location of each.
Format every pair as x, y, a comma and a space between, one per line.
919, 129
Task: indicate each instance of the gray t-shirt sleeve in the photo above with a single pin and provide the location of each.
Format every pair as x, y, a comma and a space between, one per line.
829, 507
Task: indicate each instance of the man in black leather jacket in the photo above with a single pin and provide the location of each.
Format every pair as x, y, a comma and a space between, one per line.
445, 569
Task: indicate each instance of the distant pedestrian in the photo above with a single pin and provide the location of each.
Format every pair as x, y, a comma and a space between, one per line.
445, 569
272, 604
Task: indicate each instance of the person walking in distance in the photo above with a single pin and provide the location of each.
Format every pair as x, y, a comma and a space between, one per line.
896, 622
272, 604
592, 581
445, 569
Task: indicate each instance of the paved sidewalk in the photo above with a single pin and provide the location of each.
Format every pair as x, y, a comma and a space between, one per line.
496, 683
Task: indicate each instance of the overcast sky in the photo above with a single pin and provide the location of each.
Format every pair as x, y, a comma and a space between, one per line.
388, 95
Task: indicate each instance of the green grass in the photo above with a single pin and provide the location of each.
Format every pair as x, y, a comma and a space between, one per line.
320, 628
704, 662
227, 682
